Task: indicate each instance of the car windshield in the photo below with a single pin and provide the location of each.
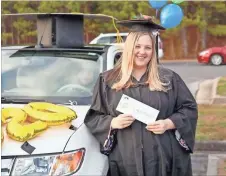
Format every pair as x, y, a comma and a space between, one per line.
57, 76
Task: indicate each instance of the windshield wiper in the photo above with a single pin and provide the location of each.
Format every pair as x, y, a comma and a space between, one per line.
70, 102
7, 100
19, 101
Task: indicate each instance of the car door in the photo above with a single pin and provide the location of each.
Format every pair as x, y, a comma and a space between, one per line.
224, 53
114, 53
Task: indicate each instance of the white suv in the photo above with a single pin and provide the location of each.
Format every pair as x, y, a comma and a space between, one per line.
111, 38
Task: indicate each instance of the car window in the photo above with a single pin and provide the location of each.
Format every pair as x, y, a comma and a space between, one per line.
113, 39
124, 38
109, 39
117, 57
6, 61
104, 40
51, 75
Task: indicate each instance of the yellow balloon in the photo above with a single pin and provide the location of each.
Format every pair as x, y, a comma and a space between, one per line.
40, 115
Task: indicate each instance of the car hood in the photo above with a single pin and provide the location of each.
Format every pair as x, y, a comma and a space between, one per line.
215, 48
53, 140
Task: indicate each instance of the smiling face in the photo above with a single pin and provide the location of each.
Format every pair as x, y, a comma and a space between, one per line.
143, 51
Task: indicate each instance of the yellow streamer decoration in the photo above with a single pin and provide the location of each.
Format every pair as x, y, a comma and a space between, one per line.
119, 38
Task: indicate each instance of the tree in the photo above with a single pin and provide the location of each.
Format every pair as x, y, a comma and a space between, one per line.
195, 15
23, 7
217, 25
52, 7
25, 28
6, 9
210, 21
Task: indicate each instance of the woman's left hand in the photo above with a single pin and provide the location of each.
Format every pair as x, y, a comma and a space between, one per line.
158, 127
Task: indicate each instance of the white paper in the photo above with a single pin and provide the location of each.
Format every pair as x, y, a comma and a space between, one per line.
137, 109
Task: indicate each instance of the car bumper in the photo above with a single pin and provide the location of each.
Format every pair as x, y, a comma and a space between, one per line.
203, 59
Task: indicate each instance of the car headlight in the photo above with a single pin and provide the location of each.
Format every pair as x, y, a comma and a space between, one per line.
204, 53
54, 164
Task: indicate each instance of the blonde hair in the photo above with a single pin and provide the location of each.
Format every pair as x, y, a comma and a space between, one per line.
124, 67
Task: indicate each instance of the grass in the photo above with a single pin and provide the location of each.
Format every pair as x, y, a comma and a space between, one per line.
221, 87
221, 167
211, 123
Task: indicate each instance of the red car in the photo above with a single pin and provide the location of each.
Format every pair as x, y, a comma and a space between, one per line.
215, 55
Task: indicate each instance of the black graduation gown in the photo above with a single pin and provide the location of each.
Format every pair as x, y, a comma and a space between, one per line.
139, 151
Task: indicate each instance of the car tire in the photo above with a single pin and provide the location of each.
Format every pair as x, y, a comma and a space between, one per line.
216, 59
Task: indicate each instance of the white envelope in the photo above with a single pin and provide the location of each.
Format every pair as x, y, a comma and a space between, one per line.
137, 109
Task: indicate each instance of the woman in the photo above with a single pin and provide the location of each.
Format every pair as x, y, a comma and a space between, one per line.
161, 148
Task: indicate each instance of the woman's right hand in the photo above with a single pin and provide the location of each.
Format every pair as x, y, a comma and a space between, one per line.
122, 121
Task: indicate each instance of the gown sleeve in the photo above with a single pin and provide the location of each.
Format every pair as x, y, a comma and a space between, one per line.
97, 118
185, 114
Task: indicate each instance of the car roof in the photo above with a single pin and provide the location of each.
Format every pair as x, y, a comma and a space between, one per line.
114, 34
88, 48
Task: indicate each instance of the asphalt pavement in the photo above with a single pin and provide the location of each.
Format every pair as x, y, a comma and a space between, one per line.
193, 72
208, 163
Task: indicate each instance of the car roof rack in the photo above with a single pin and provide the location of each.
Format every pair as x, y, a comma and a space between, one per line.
64, 30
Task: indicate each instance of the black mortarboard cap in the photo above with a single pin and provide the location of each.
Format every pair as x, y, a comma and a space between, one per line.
141, 24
